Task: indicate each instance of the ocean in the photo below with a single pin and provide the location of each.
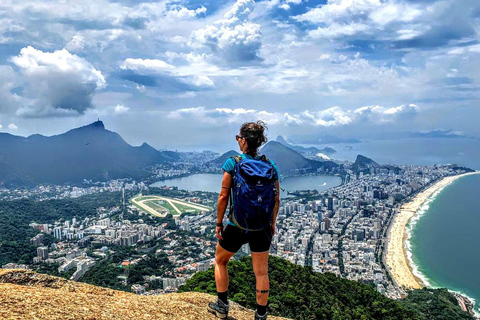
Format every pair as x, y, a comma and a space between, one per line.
425, 151
444, 239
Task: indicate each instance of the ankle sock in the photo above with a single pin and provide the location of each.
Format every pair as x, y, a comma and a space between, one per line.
261, 310
223, 296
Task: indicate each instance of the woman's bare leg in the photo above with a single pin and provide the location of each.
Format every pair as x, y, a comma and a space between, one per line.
222, 257
260, 268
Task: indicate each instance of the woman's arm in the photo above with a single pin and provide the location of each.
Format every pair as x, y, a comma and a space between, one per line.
276, 208
223, 201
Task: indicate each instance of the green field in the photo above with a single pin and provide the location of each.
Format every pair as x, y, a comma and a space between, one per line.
163, 206
157, 207
183, 208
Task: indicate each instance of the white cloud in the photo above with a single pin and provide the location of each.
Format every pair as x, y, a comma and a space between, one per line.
119, 109
77, 43
181, 12
12, 126
325, 56
381, 114
9, 80
331, 117
339, 9
59, 83
337, 30
1, 127
187, 74
234, 37
350, 17
154, 65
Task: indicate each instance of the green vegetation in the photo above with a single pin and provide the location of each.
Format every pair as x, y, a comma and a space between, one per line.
106, 273
160, 208
185, 208
436, 304
300, 293
15, 217
152, 264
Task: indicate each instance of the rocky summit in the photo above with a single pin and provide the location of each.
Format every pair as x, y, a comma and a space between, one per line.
25, 294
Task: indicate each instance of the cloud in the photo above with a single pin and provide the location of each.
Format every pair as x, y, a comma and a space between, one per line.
181, 12
1, 127
156, 65
336, 30
59, 83
439, 133
155, 72
9, 80
382, 115
119, 109
233, 37
331, 117
12, 126
406, 24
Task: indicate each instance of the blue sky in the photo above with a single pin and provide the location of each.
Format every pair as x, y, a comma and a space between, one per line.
186, 74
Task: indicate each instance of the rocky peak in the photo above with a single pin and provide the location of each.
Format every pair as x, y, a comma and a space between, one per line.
25, 294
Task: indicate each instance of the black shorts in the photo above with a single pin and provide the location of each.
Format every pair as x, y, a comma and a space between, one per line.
234, 238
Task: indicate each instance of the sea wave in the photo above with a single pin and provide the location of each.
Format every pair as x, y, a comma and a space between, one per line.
409, 228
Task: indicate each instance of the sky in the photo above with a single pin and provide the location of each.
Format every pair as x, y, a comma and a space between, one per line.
184, 75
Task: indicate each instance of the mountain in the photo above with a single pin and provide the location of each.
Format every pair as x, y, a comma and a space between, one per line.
290, 161
303, 150
326, 139
218, 162
88, 152
364, 164
28, 295
300, 293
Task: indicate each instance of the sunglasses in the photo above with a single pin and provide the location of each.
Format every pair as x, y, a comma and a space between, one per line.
238, 137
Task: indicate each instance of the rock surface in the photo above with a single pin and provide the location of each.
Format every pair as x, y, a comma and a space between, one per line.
25, 294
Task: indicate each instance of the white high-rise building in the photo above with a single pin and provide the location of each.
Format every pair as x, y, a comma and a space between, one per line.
57, 233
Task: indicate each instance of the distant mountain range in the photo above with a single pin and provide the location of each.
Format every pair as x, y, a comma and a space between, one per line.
290, 161
218, 162
287, 160
89, 152
303, 150
92, 152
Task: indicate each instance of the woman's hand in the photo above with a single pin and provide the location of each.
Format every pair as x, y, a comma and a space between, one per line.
219, 232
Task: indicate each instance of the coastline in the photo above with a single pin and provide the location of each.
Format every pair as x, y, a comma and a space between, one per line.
399, 264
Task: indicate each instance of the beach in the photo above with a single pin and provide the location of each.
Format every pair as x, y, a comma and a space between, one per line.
396, 255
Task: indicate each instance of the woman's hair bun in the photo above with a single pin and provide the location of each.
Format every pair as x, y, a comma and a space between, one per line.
254, 133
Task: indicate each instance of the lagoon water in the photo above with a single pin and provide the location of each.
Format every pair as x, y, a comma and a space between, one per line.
445, 239
213, 182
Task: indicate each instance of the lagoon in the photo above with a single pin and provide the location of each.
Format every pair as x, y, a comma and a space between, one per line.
212, 183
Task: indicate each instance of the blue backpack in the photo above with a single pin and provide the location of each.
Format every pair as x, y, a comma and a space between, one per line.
253, 192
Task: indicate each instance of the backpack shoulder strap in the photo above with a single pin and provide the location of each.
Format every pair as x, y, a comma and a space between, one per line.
264, 158
230, 211
237, 158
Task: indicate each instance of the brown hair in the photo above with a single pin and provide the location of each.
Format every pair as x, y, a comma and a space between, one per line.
254, 133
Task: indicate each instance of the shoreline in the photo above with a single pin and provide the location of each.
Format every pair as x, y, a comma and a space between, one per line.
398, 256
397, 260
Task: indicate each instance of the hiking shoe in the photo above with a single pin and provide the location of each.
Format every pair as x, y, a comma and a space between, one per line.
259, 317
219, 308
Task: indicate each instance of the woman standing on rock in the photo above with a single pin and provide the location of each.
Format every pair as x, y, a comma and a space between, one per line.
250, 181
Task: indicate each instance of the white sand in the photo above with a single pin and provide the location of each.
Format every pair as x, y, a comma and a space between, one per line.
396, 258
